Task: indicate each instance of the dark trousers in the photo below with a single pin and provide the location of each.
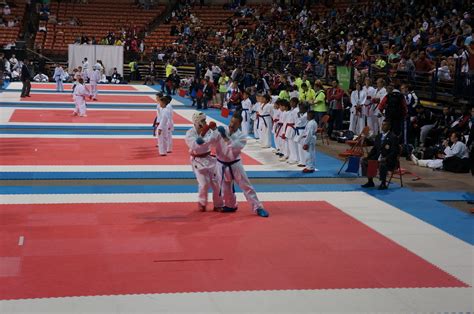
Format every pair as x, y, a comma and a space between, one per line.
471, 161
456, 164
318, 117
383, 169
199, 102
396, 127
25, 90
335, 123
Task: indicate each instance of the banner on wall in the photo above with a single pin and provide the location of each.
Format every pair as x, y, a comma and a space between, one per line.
344, 75
111, 56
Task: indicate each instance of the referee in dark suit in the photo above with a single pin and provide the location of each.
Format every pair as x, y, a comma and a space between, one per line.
25, 79
385, 150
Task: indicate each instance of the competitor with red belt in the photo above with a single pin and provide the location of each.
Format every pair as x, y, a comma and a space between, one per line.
202, 162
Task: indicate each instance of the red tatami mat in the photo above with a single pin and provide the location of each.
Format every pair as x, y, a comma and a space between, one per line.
128, 99
93, 151
107, 249
69, 87
93, 116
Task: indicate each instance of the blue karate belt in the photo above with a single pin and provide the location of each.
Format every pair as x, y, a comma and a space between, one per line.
297, 129
264, 121
246, 114
227, 164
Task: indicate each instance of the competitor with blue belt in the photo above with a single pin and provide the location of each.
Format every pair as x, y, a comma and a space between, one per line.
229, 142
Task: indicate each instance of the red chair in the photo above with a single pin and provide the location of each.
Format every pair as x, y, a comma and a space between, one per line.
358, 148
323, 127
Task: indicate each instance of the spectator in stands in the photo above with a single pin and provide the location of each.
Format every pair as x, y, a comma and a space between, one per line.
423, 122
442, 126
442, 72
423, 64
336, 107
6, 10
455, 157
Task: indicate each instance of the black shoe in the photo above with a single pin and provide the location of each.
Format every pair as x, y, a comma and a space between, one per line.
383, 186
226, 209
369, 184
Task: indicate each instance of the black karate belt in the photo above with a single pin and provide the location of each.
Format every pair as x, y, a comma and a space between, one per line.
227, 164
155, 125
264, 121
246, 114
297, 129
278, 128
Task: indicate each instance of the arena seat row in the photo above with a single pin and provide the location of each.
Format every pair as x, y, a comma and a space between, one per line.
122, 14
10, 34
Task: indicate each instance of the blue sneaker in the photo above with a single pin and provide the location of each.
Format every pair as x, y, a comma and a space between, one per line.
262, 212
226, 209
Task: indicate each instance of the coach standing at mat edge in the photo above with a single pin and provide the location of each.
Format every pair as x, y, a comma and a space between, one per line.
25, 79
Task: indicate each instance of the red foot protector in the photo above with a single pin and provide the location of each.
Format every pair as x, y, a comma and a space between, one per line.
93, 151
137, 99
69, 87
107, 249
93, 116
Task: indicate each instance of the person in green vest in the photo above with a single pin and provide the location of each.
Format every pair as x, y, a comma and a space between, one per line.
169, 68
319, 101
223, 87
299, 81
307, 94
284, 94
133, 70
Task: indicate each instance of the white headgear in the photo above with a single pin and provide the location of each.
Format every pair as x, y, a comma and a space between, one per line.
199, 118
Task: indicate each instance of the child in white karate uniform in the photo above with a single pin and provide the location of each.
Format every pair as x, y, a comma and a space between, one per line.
300, 125
309, 142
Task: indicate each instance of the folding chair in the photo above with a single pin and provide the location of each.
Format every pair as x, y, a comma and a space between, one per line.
358, 148
323, 128
399, 171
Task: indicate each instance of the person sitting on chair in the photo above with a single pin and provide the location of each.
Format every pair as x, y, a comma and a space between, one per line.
386, 151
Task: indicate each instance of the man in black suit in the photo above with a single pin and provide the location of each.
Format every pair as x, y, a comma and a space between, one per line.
385, 150
25, 79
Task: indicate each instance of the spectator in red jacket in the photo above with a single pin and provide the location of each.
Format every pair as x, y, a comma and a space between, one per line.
423, 64
336, 108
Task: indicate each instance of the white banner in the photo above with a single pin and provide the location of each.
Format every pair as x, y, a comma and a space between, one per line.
111, 57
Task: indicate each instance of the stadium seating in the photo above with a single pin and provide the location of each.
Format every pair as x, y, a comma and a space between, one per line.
94, 23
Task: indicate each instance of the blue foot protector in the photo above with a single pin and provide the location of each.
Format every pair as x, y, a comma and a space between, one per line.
262, 212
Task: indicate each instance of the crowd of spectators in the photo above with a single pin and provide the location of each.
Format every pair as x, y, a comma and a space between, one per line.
386, 36
7, 19
273, 49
